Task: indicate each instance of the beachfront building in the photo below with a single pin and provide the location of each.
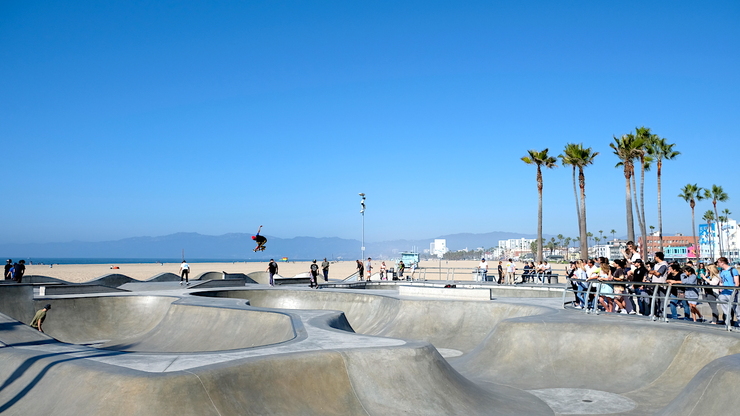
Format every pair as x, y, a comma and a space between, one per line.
709, 241
515, 247
438, 247
674, 244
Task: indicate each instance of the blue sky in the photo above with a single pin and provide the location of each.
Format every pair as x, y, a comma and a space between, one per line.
123, 119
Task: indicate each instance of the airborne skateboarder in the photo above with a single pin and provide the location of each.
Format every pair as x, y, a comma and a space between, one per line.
260, 240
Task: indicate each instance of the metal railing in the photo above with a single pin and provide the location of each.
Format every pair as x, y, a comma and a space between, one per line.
590, 291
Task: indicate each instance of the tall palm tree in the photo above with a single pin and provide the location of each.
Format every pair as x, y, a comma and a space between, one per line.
627, 149
540, 159
661, 150
709, 218
642, 134
589, 235
613, 232
579, 157
717, 194
692, 193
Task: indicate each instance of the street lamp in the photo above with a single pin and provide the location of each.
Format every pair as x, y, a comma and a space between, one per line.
362, 211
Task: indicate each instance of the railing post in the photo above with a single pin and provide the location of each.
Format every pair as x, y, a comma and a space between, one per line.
666, 303
565, 291
652, 303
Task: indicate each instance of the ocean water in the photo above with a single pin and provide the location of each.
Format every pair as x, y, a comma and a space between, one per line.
49, 260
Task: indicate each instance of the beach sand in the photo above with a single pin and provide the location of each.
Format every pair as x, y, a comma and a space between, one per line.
435, 270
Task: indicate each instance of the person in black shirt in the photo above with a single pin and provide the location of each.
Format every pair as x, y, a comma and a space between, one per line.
8, 266
272, 268
360, 271
260, 240
19, 269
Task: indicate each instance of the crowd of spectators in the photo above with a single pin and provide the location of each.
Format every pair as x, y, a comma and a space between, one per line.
616, 286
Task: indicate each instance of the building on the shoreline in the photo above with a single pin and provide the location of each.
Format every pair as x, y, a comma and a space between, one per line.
709, 240
438, 247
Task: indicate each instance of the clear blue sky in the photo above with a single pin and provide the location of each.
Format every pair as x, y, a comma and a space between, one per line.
149, 118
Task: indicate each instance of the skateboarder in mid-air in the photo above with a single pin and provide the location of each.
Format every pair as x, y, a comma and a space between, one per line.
260, 240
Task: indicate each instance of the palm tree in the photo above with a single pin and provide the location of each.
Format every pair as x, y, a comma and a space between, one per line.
627, 149
717, 194
724, 219
643, 134
613, 232
589, 235
578, 156
541, 158
692, 193
660, 150
709, 218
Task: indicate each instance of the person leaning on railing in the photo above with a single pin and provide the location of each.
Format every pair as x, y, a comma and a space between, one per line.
580, 274
730, 277
711, 278
624, 303
691, 293
606, 291
674, 277
658, 274
639, 273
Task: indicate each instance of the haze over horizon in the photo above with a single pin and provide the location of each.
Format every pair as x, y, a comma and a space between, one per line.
126, 119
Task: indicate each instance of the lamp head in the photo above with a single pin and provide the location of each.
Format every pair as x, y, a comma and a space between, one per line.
362, 194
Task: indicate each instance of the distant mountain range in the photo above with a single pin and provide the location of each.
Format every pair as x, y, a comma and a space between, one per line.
238, 246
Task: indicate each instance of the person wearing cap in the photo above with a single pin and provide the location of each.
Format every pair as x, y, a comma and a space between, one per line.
314, 275
39, 318
325, 269
260, 240
483, 270
8, 266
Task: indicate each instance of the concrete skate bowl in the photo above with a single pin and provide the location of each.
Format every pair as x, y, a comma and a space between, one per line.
157, 324
451, 326
578, 364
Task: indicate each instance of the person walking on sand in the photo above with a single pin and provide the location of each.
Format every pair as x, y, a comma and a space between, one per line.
360, 271
272, 268
382, 271
314, 275
184, 272
39, 318
500, 272
325, 269
369, 268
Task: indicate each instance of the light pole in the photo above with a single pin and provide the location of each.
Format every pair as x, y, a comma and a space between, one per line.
362, 211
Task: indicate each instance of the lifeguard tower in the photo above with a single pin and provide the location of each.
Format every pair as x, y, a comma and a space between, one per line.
409, 258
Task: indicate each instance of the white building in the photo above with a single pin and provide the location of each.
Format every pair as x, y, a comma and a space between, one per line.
438, 247
516, 244
709, 240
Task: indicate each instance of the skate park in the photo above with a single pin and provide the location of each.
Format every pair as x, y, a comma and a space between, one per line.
232, 345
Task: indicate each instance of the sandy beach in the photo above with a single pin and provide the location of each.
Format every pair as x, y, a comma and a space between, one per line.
78, 273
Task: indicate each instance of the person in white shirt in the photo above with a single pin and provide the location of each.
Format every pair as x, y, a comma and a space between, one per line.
483, 270
510, 272
184, 272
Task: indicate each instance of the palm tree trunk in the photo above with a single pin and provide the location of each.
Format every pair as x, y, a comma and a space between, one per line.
575, 193
660, 209
719, 228
643, 223
693, 225
628, 205
539, 215
643, 232
582, 226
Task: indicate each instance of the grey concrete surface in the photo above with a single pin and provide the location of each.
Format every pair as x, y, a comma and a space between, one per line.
164, 349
